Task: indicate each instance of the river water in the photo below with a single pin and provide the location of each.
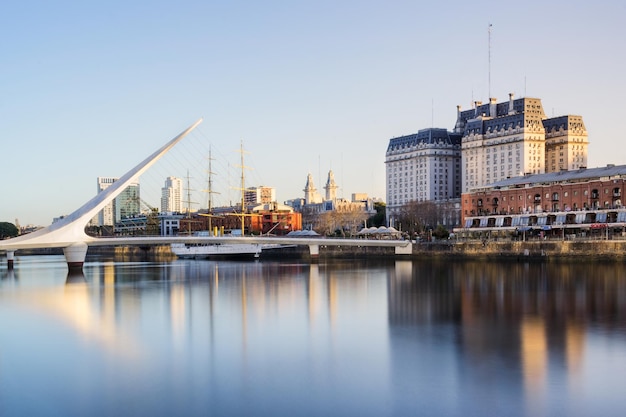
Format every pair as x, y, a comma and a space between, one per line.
291, 339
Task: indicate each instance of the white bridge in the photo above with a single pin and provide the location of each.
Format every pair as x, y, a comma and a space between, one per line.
69, 232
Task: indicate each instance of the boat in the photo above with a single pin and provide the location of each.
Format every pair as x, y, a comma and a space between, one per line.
224, 250
220, 250
216, 250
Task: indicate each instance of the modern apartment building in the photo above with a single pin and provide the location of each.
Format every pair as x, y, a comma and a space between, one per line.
126, 204
105, 217
260, 195
171, 195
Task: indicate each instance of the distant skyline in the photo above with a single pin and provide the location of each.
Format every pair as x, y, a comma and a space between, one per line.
89, 90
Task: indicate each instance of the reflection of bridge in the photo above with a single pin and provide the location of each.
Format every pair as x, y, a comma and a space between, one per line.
69, 232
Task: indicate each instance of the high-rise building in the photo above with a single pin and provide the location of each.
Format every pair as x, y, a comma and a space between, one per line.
489, 143
105, 217
513, 138
128, 203
566, 143
171, 195
259, 195
424, 166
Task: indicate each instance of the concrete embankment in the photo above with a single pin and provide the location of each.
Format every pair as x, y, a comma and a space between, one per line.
587, 250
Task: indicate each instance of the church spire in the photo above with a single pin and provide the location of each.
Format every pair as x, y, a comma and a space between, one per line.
309, 190
331, 187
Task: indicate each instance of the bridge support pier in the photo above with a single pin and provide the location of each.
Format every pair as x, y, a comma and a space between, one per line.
10, 258
75, 255
314, 251
404, 250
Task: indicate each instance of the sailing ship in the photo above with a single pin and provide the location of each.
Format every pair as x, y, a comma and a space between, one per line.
220, 250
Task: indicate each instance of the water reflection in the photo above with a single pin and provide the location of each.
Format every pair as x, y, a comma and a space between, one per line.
341, 338
521, 319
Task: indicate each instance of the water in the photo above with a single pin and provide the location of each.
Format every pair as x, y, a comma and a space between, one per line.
293, 339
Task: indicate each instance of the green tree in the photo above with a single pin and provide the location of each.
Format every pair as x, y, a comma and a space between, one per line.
441, 232
8, 230
380, 217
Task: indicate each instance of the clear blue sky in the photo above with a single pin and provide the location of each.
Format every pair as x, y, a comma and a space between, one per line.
90, 89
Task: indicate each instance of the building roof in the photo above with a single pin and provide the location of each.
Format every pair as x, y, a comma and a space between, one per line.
579, 175
564, 123
493, 117
431, 136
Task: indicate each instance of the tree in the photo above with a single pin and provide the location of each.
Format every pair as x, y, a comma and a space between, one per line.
8, 230
379, 218
416, 217
441, 232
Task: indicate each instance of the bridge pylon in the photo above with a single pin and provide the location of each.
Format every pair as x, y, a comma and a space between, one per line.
69, 232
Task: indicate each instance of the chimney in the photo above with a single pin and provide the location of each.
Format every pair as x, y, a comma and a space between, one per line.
511, 110
477, 104
458, 127
492, 107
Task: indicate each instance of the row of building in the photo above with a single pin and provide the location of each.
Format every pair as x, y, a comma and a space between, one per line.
129, 214
509, 145
506, 166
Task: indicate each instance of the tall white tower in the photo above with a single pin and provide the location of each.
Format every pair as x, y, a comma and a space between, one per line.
331, 187
171, 195
310, 192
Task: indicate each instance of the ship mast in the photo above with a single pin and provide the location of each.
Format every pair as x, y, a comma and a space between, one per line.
210, 191
189, 203
243, 190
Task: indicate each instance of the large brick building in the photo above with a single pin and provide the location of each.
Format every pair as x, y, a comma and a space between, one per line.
577, 199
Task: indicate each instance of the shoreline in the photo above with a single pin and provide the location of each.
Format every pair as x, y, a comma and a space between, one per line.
540, 250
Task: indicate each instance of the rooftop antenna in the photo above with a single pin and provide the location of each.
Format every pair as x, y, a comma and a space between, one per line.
489, 81
319, 171
432, 112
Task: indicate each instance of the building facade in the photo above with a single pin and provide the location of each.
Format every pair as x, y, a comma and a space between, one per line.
581, 199
171, 195
106, 216
566, 143
259, 195
274, 219
514, 138
127, 203
425, 166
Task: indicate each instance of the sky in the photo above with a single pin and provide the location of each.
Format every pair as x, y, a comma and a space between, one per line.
91, 89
